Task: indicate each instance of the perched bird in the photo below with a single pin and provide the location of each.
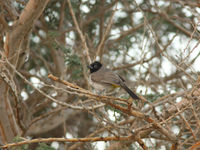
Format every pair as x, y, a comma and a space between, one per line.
103, 79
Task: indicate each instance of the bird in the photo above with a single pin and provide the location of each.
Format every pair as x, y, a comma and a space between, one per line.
104, 79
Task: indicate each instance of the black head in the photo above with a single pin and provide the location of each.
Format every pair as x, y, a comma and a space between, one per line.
95, 66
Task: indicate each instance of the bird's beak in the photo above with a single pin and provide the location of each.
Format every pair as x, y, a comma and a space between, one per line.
89, 67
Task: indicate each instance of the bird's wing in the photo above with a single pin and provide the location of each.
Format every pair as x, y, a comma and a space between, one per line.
106, 76
111, 78
122, 79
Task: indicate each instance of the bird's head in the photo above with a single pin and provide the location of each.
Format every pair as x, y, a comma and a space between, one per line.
95, 66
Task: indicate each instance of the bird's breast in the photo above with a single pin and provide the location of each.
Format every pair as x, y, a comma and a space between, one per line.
96, 85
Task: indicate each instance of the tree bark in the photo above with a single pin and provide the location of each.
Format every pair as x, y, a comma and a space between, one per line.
15, 46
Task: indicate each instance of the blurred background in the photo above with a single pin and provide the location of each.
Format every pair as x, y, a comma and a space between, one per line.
153, 44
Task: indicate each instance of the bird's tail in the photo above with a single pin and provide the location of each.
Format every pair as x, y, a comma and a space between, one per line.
131, 93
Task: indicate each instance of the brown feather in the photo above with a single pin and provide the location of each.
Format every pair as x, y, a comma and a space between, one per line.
107, 78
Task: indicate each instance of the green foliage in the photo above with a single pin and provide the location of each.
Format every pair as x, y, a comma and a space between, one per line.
22, 147
53, 34
120, 21
41, 146
51, 16
75, 4
44, 146
153, 97
75, 66
64, 49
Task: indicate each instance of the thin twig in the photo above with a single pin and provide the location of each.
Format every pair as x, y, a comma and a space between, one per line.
79, 32
102, 42
90, 139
